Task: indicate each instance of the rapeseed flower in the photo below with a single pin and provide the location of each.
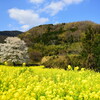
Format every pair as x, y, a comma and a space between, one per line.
69, 67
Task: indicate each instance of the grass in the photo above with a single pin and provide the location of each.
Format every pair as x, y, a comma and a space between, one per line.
38, 83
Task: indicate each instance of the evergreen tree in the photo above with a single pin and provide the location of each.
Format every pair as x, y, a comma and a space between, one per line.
91, 49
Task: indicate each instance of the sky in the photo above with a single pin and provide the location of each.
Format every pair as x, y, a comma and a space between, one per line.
24, 14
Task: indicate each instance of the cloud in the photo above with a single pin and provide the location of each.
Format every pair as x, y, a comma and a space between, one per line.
24, 28
29, 18
68, 2
26, 17
55, 23
36, 1
54, 7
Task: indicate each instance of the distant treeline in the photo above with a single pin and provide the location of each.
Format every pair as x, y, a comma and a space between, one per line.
5, 34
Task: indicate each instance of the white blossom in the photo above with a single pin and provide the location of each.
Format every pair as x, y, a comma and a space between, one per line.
14, 50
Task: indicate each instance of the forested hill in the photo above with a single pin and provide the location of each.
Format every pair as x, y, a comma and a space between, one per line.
10, 33
76, 43
58, 34
5, 34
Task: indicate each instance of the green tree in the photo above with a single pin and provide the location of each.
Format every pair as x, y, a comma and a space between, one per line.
91, 48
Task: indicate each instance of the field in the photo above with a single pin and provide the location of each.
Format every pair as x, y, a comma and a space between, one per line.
38, 83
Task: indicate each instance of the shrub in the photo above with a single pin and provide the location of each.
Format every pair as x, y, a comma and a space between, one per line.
57, 62
35, 55
76, 60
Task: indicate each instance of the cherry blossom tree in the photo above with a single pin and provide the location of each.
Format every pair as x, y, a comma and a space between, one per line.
14, 50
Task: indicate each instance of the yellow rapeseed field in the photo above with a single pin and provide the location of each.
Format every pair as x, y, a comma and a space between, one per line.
38, 83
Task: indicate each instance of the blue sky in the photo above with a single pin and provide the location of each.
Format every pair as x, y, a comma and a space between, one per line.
25, 14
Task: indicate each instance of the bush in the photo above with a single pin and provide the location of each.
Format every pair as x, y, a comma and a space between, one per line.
35, 55
57, 62
76, 60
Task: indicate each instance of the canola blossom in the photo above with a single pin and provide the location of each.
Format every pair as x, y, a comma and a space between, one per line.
38, 83
24, 64
5, 63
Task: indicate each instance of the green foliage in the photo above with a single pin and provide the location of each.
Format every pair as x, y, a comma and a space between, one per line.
96, 50
77, 38
35, 55
74, 48
76, 60
91, 48
57, 62
54, 50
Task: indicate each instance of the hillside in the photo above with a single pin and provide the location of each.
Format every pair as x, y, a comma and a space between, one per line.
65, 39
58, 34
5, 34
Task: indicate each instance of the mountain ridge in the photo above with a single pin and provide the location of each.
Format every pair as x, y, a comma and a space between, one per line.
5, 34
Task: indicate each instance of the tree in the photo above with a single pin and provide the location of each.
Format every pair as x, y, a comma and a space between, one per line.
87, 41
35, 55
96, 50
14, 50
91, 49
